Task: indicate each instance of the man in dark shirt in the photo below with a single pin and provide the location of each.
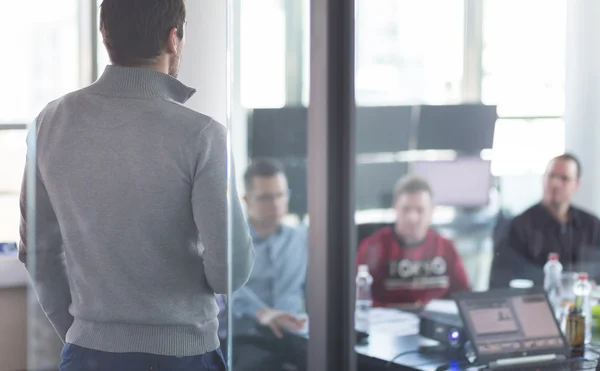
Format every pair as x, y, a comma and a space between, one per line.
553, 225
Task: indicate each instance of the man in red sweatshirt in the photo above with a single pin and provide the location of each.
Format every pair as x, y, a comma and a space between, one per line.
411, 264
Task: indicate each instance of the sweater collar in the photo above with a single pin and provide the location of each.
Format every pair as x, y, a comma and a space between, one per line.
139, 82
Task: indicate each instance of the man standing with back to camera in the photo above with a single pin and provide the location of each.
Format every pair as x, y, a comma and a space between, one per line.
131, 207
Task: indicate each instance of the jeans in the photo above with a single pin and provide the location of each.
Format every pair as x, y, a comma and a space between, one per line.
76, 358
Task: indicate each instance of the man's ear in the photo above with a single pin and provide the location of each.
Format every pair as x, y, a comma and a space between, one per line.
173, 41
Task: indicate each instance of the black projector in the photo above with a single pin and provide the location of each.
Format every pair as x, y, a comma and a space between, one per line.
444, 328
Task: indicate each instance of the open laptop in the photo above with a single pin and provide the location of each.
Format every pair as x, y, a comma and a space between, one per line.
515, 329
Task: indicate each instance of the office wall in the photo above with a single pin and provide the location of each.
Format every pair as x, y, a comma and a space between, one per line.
204, 66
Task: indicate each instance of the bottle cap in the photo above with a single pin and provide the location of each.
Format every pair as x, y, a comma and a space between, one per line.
553, 256
574, 309
583, 276
363, 268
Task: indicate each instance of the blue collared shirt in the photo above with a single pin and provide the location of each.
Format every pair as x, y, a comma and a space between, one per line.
278, 278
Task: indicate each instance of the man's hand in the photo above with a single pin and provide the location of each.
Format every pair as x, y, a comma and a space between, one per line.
279, 321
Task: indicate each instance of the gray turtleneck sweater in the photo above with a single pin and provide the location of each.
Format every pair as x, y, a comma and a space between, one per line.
131, 217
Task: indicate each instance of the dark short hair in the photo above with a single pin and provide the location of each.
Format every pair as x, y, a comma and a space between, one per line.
567, 156
135, 31
411, 184
262, 167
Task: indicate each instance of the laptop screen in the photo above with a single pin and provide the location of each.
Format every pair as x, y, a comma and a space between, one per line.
518, 323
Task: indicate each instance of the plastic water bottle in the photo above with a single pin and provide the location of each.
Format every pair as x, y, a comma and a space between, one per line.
582, 290
552, 282
364, 300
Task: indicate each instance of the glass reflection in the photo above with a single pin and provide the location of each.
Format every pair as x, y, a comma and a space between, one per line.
442, 206
267, 321
269, 310
464, 192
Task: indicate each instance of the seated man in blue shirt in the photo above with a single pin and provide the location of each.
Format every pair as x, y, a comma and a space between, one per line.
266, 309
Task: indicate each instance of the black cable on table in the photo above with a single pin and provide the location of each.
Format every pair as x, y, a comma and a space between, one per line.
399, 355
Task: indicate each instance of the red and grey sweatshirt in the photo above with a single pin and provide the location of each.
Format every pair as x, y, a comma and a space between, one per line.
411, 274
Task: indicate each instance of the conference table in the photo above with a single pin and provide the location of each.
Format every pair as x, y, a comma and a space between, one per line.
395, 333
394, 338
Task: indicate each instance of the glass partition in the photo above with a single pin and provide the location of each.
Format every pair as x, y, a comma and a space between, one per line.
400, 59
458, 195
461, 185
267, 322
47, 65
49, 33
12, 155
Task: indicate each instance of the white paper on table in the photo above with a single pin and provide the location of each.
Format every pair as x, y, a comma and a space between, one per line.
381, 315
398, 328
442, 306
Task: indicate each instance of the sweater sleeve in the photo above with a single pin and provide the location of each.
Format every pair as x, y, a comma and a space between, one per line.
361, 253
42, 246
456, 270
216, 207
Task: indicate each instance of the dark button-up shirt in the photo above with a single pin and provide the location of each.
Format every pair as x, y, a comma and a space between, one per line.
531, 236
